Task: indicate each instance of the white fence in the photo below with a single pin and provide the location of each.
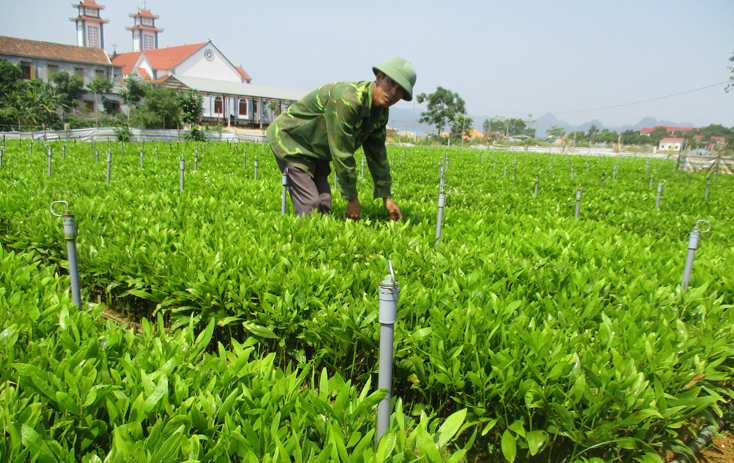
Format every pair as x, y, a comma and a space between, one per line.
108, 134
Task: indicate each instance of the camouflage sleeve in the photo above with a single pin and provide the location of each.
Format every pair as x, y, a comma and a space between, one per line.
376, 154
342, 118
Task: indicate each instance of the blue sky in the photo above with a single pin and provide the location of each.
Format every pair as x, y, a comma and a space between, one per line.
504, 58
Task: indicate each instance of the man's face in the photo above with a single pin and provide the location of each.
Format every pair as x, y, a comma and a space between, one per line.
387, 92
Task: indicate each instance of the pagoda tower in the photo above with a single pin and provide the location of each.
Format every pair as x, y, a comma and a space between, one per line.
89, 24
145, 34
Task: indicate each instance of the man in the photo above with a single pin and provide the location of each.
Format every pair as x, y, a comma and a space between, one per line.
330, 124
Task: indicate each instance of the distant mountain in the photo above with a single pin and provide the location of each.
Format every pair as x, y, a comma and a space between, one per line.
403, 119
546, 121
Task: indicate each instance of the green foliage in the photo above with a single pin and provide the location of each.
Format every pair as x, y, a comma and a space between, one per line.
195, 135
556, 132
159, 111
123, 134
443, 108
560, 338
99, 86
658, 134
508, 127
190, 106
78, 389
70, 89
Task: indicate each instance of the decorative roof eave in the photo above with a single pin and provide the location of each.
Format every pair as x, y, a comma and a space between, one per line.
89, 3
144, 13
89, 18
145, 28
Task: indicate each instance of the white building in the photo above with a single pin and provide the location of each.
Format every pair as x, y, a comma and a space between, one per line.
671, 143
89, 24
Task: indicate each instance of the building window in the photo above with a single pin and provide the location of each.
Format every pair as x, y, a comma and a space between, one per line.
99, 74
243, 107
93, 12
27, 70
148, 43
52, 69
79, 72
89, 105
218, 105
147, 21
92, 37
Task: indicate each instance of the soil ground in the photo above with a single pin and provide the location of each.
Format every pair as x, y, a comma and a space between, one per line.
721, 450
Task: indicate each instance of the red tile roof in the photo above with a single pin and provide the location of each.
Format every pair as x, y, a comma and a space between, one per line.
89, 3
33, 48
242, 71
90, 18
144, 14
167, 58
672, 140
140, 26
668, 128
144, 73
126, 60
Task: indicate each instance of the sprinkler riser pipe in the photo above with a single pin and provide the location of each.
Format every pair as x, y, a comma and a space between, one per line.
660, 190
362, 168
49, 161
70, 235
578, 203
692, 246
284, 181
182, 168
109, 166
389, 293
255, 169
441, 203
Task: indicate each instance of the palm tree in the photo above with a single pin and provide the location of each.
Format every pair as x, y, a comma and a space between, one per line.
38, 104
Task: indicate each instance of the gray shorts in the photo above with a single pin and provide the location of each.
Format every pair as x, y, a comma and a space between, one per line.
307, 194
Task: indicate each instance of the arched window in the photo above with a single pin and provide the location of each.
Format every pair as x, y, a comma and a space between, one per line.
218, 105
243, 107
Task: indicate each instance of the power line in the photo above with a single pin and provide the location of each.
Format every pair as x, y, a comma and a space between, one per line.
607, 107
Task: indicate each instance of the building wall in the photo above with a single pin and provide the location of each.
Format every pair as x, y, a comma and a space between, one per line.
88, 69
217, 69
666, 146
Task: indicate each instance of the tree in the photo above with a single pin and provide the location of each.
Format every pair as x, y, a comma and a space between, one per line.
443, 106
161, 109
11, 79
658, 134
190, 106
70, 89
556, 132
593, 130
38, 104
133, 94
99, 87
461, 126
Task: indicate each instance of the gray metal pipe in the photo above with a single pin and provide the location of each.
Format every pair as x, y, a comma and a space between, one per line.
651, 179
255, 168
1, 157
578, 202
389, 293
182, 167
362, 167
70, 234
587, 167
50, 153
706, 197
284, 181
109, 166
537, 180
441, 204
692, 246
63, 151
505, 169
603, 174
141, 159
196, 163
660, 190
441, 177
96, 156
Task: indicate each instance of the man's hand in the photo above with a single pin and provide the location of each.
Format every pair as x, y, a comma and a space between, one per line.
392, 209
353, 210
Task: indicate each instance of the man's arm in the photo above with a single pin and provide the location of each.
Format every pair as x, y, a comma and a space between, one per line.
376, 154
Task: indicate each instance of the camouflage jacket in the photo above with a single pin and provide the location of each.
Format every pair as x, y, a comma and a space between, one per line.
330, 124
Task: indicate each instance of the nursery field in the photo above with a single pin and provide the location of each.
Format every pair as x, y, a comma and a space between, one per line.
523, 334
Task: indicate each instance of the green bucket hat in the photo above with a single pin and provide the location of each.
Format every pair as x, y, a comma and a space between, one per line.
402, 72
